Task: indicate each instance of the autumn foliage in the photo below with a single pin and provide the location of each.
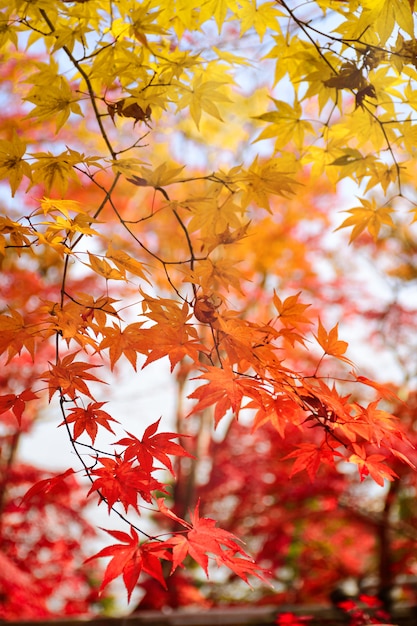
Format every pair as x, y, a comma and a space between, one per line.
225, 188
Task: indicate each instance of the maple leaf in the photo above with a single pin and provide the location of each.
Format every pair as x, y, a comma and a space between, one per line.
171, 336
47, 486
331, 343
68, 377
65, 207
203, 538
291, 315
278, 411
124, 262
54, 172
309, 456
157, 177
130, 108
260, 17
70, 322
203, 96
242, 566
211, 275
286, 123
152, 446
128, 342
12, 164
225, 390
16, 403
58, 101
103, 268
384, 391
130, 558
18, 235
120, 481
371, 465
274, 177
224, 238
81, 223
369, 216
349, 77
291, 311
16, 334
88, 420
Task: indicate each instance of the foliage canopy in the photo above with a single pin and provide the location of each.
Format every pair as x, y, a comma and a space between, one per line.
169, 174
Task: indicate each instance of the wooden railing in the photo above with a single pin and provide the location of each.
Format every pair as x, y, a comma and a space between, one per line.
402, 615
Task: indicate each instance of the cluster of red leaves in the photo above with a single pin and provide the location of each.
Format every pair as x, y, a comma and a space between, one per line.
365, 610
41, 562
201, 539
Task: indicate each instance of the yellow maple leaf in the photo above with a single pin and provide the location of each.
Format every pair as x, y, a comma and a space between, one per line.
124, 262
286, 123
203, 96
214, 275
103, 268
383, 15
17, 234
213, 214
369, 216
128, 167
55, 101
261, 16
52, 205
217, 9
54, 172
156, 177
272, 177
12, 165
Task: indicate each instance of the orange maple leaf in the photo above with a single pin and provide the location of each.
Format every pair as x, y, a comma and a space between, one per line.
331, 343
69, 377
225, 390
171, 335
371, 465
127, 342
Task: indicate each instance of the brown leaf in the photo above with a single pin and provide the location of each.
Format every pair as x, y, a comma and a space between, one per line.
369, 91
350, 77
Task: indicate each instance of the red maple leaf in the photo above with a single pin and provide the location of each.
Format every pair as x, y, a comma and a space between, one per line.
47, 486
130, 558
242, 566
309, 456
120, 481
89, 419
16, 403
204, 538
152, 446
